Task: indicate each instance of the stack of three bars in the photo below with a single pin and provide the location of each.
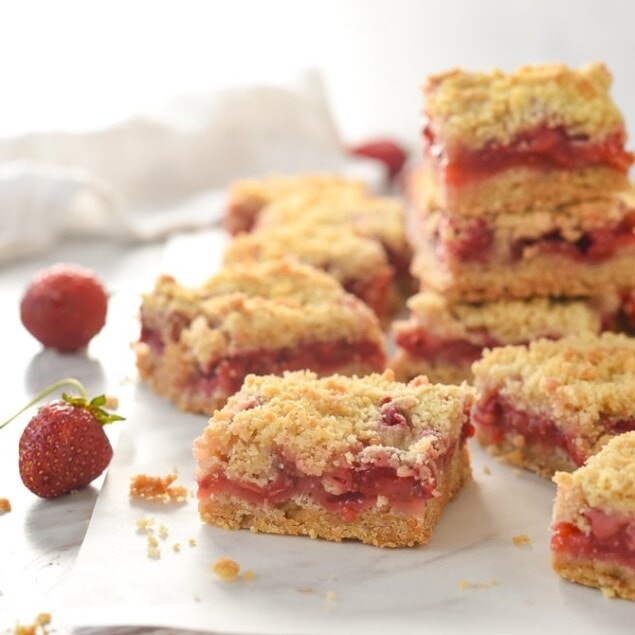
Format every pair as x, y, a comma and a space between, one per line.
523, 215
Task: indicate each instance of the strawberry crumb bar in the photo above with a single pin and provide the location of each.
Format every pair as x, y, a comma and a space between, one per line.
442, 339
544, 135
248, 197
359, 264
593, 540
551, 405
366, 458
197, 344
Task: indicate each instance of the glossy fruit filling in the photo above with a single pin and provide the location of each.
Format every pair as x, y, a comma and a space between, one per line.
420, 343
226, 375
611, 537
496, 420
471, 240
542, 148
346, 492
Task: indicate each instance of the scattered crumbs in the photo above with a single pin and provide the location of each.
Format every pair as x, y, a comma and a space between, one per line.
226, 569
112, 403
197, 597
5, 505
521, 539
39, 626
516, 472
466, 584
306, 590
153, 550
144, 525
486, 470
176, 547
192, 542
163, 532
249, 575
157, 489
331, 596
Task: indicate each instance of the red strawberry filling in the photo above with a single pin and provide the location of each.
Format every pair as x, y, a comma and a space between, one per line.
496, 419
543, 148
611, 537
471, 240
227, 374
420, 343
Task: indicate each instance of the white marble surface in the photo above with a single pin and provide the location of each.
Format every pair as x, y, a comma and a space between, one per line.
301, 586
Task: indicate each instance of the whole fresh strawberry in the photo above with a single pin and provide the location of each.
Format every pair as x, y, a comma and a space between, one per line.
64, 446
64, 307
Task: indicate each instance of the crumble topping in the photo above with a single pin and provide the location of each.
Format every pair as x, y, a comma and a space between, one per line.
257, 193
317, 424
578, 379
39, 626
271, 305
338, 250
507, 321
157, 489
606, 481
471, 109
378, 217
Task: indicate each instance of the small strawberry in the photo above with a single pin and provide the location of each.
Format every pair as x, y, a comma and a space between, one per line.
390, 153
64, 307
64, 446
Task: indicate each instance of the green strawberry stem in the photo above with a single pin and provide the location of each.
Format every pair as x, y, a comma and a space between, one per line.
81, 401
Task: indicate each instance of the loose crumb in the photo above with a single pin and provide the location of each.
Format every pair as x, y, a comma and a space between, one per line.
249, 575
39, 627
144, 525
197, 597
486, 470
5, 505
163, 532
521, 539
157, 488
153, 550
226, 569
466, 584
192, 542
112, 403
176, 547
331, 595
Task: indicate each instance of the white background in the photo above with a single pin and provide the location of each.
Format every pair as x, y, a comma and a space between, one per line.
78, 63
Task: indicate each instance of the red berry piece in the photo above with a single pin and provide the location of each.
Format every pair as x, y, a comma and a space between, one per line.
64, 446
64, 307
391, 154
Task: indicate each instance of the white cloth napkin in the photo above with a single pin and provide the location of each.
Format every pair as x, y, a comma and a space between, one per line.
156, 173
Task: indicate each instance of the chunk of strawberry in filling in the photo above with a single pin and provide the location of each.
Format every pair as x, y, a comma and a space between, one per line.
497, 420
422, 344
543, 148
611, 538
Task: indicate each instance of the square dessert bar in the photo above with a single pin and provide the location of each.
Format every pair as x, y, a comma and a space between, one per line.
544, 135
381, 218
442, 339
593, 541
586, 248
367, 458
359, 264
551, 405
198, 344
247, 197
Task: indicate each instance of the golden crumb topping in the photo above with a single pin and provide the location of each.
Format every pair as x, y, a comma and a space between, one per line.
157, 489
321, 425
472, 109
607, 480
258, 192
338, 250
259, 306
579, 379
378, 217
505, 321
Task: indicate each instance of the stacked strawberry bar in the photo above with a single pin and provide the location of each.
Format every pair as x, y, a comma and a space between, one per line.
523, 193
593, 541
198, 344
370, 458
551, 405
526, 185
